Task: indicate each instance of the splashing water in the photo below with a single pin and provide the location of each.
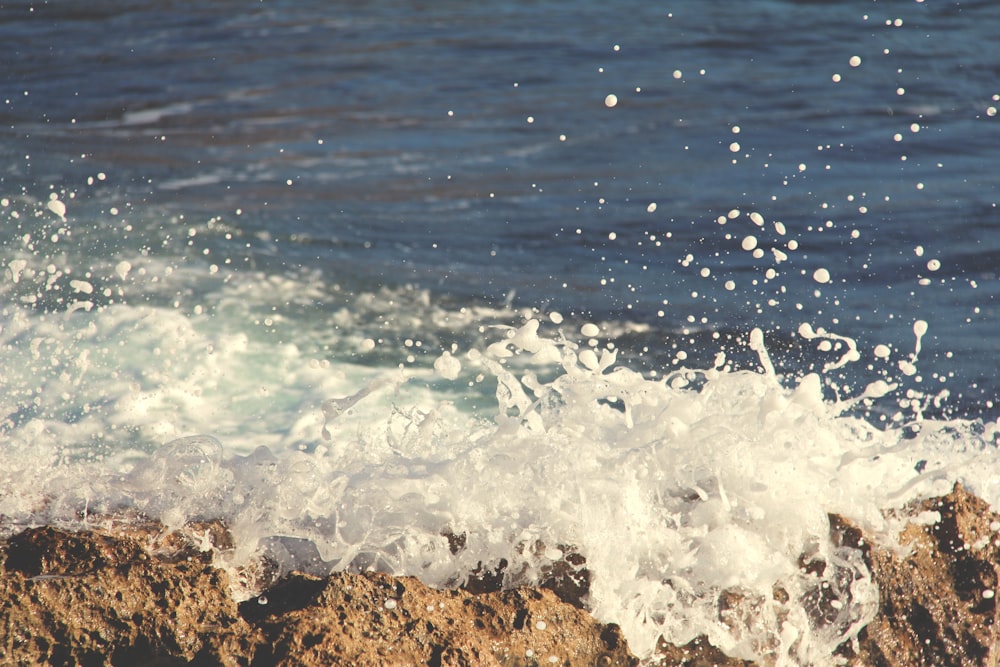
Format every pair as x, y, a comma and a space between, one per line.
698, 499
695, 498
247, 277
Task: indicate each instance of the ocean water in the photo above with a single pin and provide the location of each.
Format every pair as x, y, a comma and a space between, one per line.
663, 283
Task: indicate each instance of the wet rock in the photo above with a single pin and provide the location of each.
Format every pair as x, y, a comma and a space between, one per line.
148, 596
567, 577
91, 599
88, 598
938, 599
696, 653
375, 619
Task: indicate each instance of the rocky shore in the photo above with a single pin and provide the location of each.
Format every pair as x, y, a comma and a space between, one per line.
135, 596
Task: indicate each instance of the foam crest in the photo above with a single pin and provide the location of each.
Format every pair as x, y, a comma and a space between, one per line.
698, 500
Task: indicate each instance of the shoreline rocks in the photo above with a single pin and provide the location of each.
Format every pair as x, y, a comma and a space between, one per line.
90, 598
135, 596
938, 601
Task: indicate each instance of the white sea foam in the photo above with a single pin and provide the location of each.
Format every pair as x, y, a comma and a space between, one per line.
679, 491
364, 434
124, 388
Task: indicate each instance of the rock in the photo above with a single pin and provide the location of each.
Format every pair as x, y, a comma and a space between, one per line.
92, 599
147, 596
938, 602
696, 653
375, 619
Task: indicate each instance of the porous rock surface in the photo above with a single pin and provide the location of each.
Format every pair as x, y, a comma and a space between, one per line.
139, 596
88, 598
938, 600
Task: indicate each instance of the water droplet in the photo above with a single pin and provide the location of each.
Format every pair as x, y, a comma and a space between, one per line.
821, 276
447, 366
57, 207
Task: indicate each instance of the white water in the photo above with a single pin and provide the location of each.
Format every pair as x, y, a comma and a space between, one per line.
677, 488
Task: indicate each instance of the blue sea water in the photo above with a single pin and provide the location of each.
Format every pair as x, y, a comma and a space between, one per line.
468, 150
219, 215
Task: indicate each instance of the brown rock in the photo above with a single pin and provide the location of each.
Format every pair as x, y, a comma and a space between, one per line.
937, 603
153, 597
374, 619
95, 599
696, 653
90, 599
